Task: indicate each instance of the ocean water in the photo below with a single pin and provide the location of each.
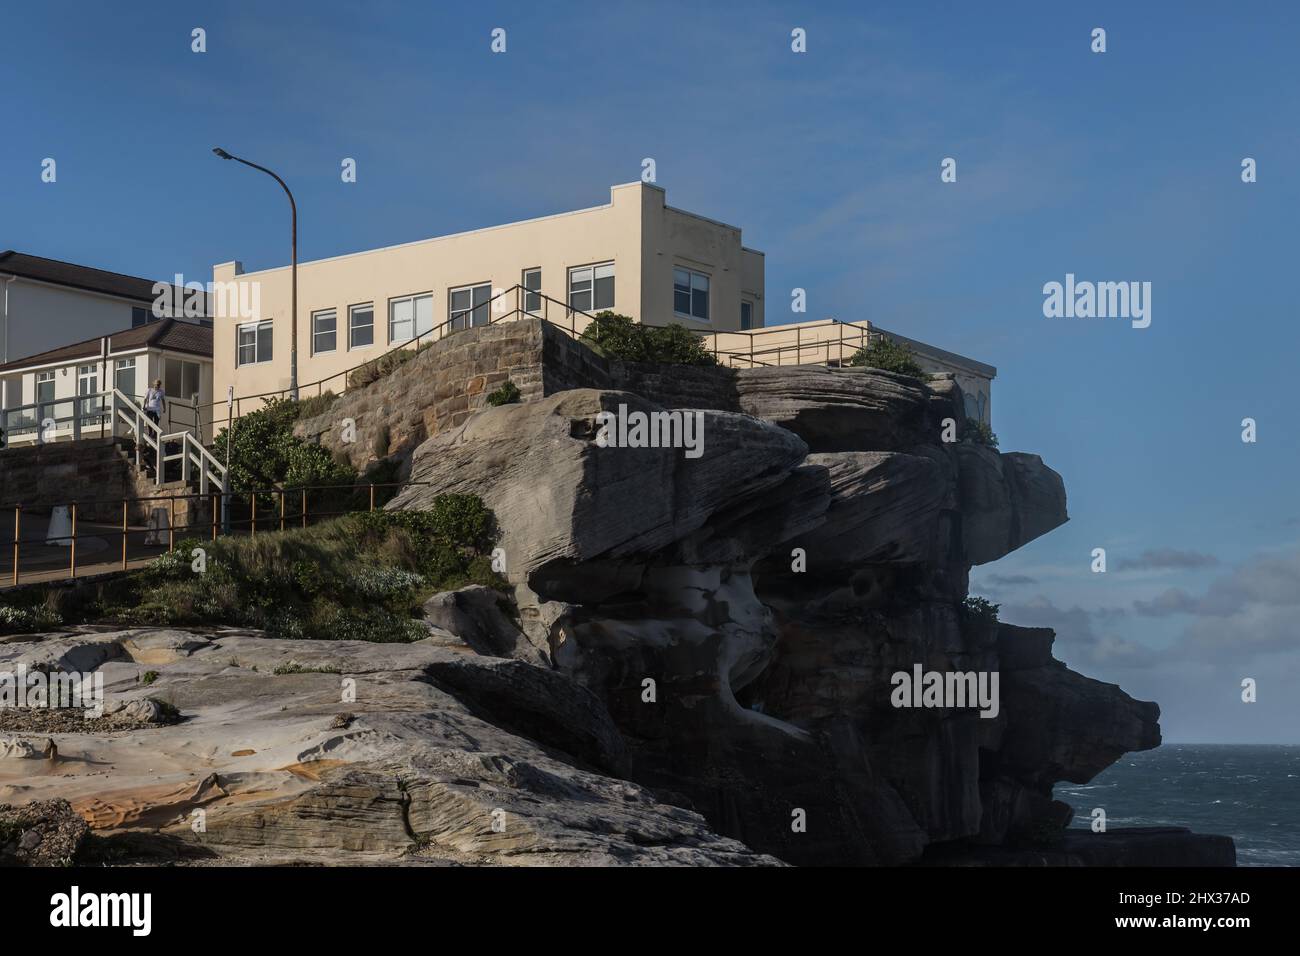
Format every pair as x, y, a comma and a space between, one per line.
1250, 793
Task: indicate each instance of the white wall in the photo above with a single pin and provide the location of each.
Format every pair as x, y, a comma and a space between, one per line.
43, 317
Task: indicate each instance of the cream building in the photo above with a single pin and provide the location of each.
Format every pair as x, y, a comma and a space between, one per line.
635, 255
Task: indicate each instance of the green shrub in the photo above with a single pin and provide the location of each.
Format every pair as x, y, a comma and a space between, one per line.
616, 335
149, 677
26, 620
889, 356
981, 433
675, 345
507, 394
979, 609
620, 337
265, 452
363, 576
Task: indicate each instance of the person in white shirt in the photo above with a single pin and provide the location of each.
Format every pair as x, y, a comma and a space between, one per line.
155, 401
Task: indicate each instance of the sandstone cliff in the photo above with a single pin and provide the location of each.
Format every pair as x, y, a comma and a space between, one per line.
757, 687
697, 667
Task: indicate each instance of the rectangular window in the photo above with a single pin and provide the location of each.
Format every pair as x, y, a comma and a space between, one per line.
691, 294
324, 331
591, 288
44, 389
140, 316
468, 305
533, 290
88, 384
746, 315
172, 378
180, 379
124, 377
254, 343
190, 379
409, 317
361, 326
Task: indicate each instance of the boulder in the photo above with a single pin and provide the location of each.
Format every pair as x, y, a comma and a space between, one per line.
1006, 500
840, 409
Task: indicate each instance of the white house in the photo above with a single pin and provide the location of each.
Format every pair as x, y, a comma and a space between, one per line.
62, 393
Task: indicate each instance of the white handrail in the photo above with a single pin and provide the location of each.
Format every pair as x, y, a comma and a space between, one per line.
148, 432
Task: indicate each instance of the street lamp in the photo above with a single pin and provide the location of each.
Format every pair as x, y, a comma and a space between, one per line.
293, 324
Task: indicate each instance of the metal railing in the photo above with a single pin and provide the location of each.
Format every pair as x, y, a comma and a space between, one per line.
283, 509
517, 303
149, 434
80, 416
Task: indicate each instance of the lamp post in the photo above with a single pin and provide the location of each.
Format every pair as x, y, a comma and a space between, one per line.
293, 307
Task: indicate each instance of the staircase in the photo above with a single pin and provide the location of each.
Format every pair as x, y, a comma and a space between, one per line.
154, 450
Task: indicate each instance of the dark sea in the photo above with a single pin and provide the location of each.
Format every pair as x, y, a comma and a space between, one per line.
1250, 793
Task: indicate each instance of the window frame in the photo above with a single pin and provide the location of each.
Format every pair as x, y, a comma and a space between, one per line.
318, 314
352, 310
537, 308
485, 305
45, 378
257, 342
591, 267
412, 297
119, 365
691, 276
746, 304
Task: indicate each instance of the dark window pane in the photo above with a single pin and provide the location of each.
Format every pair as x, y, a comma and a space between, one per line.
604, 298
700, 304
264, 335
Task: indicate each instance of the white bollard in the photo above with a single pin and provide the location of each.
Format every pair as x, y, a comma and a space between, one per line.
157, 527
60, 530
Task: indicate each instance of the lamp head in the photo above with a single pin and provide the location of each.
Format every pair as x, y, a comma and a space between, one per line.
221, 152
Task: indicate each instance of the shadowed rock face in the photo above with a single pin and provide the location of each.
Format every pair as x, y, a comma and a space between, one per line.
742, 614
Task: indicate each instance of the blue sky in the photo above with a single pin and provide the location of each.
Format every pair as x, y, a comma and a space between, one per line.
1116, 166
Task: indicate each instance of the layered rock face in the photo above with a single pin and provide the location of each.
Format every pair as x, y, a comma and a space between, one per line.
741, 613
327, 752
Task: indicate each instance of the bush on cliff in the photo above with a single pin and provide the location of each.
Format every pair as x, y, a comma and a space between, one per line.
385, 364
265, 452
976, 608
507, 394
363, 576
981, 433
620, 337
889, 356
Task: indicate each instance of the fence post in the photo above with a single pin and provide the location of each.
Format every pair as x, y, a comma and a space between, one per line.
17, 538
171, 527
124, 529
72, 567
304, 507
214, 517
252, 524
372, 496
281, 509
